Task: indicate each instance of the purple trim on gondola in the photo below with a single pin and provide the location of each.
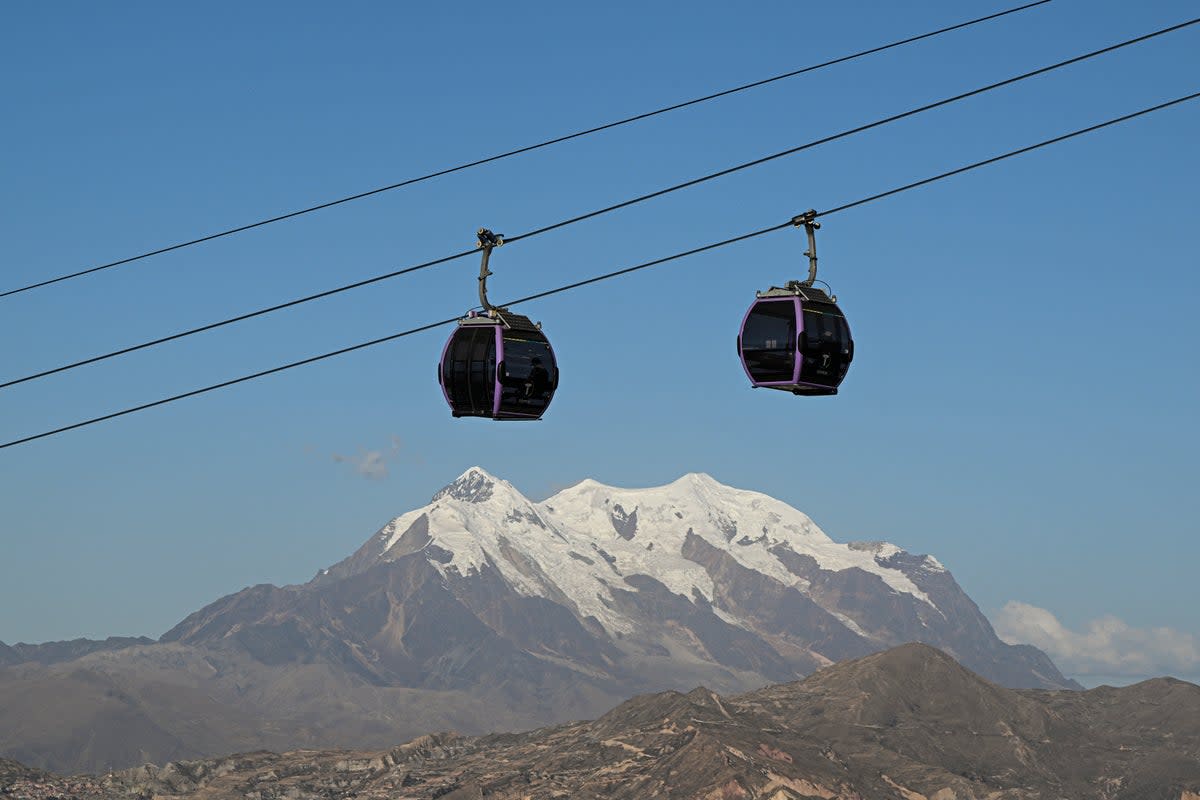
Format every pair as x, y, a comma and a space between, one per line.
442, 369
497, 386
797, 357
498, 361
741, 336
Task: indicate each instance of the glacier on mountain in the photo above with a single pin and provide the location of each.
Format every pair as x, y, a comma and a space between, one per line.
585, 540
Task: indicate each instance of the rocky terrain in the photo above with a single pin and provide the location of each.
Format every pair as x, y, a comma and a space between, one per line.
56, 652
485, 611
906, 724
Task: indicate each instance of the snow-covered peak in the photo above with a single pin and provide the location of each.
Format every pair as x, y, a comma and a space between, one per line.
476, 471
477, 523
581, 544
690, 489
644, 531
477, 485
697, 481
696, 498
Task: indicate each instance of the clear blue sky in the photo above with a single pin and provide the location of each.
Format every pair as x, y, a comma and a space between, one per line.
1023, 400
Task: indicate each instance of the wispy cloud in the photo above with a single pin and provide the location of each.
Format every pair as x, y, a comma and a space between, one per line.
1107, 646
371, 464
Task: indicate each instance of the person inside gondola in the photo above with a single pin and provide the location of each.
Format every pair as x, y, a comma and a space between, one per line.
538, 381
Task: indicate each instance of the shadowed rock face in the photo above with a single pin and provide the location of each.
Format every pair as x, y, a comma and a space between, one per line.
473, 487
485, 611
774, 607
907, 723
624, 523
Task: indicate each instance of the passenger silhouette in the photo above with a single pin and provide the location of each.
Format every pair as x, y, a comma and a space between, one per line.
538, 382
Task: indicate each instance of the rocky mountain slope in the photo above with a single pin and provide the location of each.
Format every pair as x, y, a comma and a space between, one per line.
908, 723
483, 610
742, 586
56, 652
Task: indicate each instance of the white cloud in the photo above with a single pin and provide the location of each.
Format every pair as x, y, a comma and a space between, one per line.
1108, 646
371, 464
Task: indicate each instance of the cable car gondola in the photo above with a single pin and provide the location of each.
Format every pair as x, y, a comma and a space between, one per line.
497, 364
795, 338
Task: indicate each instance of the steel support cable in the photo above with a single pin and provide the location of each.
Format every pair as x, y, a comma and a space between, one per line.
525, 149
609, 275
239, 318
606, 210
861, 128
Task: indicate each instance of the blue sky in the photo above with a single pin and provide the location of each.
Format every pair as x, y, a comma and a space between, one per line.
1022, 403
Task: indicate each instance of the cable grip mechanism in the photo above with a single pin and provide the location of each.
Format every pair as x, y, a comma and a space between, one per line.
809, 220
486, 240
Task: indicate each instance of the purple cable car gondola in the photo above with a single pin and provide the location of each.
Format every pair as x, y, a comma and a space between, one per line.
796, 338
497, 364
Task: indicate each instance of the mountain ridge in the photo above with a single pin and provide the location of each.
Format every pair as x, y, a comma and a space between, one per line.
529, 613
908, 722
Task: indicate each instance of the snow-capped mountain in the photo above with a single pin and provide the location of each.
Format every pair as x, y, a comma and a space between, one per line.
483, 610
591, 536
694, 581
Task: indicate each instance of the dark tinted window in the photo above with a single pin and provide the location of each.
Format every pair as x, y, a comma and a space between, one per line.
529, 376
469, 370
825, 345
769, 341
825, 328
771, 326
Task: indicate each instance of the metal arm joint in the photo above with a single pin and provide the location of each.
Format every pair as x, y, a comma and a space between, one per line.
486, 241
809, 220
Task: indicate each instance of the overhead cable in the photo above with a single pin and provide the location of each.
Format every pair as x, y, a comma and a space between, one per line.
606, 210
525, 149
861, 128
606, 276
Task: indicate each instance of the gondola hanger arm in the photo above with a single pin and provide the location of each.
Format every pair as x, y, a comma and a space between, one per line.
809, 221
486, 241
